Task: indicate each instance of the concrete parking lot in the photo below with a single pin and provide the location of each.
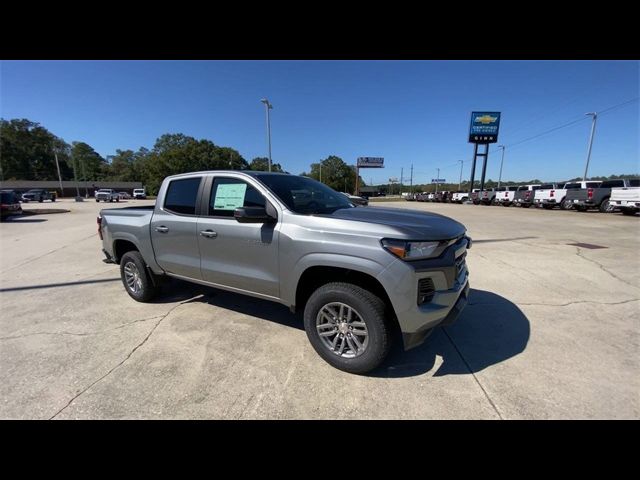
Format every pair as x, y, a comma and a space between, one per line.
552, 331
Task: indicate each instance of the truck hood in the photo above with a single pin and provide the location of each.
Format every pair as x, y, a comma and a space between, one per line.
415, 225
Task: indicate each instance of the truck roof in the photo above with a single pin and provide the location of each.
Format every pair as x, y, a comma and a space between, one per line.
252, 173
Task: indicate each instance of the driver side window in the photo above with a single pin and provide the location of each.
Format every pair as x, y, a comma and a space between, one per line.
227, 194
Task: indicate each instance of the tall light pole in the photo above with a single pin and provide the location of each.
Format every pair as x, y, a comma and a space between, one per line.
268, 107
437, 179
460, 181
501, 162
593, 130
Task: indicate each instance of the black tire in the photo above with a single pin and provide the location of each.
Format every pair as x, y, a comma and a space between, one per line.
97, 200
604, 205
40, 200
565, 205
148, 289
53, 199
118, 199
580, 208
628, 211
370, 308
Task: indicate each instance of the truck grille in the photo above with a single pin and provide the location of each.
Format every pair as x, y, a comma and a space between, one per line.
426, 289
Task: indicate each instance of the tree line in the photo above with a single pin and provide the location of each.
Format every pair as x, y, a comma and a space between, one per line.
28, 151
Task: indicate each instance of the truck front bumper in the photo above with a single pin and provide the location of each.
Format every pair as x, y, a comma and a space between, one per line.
449, 277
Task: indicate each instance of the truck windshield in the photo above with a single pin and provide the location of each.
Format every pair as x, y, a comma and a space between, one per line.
305, 195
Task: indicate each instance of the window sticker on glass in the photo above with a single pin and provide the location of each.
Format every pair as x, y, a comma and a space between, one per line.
229, 196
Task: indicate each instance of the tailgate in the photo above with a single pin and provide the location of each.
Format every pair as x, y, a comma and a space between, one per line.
631, 194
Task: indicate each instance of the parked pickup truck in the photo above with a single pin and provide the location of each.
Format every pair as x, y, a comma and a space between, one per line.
627, 199
596, 197
354, 271
549, 198
505, 195
38, 195
459, 197
107, 195
488, 196
525, 194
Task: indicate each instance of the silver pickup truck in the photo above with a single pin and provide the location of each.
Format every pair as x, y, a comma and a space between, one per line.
356, 272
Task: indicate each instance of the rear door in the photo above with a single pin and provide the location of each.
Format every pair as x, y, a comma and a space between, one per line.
242, 256
173, 228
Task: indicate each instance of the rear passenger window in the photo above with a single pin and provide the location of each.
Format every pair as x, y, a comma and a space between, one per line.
227, 194
182, 196
612, 184
634, 183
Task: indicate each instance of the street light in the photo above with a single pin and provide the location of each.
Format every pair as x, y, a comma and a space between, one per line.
268, 107
460, 181
501, 161
593, 129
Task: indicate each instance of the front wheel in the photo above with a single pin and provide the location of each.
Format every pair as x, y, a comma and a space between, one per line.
136, 278
40, 200
346, 326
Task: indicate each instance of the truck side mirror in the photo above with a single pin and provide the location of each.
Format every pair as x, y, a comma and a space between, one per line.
252, 215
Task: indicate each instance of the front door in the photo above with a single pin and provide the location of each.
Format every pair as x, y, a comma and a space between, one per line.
243, 256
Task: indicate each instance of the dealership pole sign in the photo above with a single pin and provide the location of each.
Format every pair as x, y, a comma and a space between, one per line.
484, 127
370, 162
367, 162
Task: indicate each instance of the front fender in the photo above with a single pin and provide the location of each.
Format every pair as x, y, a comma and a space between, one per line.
289, 283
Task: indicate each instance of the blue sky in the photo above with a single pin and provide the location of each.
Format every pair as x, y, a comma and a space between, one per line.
409, 112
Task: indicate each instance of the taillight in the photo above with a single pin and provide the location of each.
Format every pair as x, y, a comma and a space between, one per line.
527, 194
589, 193
551, 193
506, 194
99, 222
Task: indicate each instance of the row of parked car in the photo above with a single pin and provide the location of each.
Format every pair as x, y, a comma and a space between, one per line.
606, 196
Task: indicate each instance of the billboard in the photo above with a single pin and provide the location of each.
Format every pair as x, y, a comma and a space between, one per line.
484, 127
438, 180
370, 162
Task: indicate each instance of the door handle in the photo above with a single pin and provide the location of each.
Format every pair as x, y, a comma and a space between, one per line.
162, 229
208, 233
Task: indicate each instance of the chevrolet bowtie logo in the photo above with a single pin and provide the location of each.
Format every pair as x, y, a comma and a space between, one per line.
486, 119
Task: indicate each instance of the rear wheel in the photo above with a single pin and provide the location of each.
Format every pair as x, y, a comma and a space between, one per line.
605, 206
136, 278
565, 205
40, 200
346, 326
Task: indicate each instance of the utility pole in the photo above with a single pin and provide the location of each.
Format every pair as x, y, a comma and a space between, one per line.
437, 179
75, 177
501, 162
320, 171
460, 181
401, 172
411, 181
268, 107
55, 154
593, 130
84, 176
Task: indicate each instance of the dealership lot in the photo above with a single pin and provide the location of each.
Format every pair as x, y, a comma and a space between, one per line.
552, 331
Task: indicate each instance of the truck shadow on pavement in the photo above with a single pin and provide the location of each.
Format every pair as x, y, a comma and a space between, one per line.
490, 330
254, 307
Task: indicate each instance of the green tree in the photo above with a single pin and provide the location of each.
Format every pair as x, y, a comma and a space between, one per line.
336, 174
27, 152
178, 153
262, 164
89, 164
